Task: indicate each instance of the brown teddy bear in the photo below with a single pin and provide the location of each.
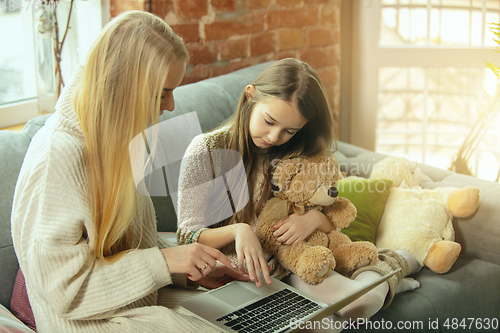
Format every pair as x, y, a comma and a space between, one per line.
303, 184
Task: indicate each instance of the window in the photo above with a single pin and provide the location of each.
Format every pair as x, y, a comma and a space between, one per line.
420, 82
17, 66
27, 87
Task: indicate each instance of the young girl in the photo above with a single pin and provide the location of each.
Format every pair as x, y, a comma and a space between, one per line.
85, 239
284, 113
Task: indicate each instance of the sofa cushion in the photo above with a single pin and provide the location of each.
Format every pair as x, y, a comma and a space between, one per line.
33, 125
369, 197
469, 290
20, 303
13, 146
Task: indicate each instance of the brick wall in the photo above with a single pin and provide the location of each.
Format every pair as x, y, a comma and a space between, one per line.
226, 35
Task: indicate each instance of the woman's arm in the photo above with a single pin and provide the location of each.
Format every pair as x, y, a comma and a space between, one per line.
53, 235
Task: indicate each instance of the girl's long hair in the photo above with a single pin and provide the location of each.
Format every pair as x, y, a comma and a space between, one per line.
119, 97
294, 81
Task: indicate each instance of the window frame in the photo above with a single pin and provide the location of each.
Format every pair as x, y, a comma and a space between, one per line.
96, 14
366, 57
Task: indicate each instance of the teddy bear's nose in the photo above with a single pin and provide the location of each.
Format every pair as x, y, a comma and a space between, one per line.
333, 192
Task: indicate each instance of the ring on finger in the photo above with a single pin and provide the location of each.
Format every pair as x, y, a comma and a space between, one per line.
204, 267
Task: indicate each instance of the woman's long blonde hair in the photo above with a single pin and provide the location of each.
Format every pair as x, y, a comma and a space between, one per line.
119, 97
294, 81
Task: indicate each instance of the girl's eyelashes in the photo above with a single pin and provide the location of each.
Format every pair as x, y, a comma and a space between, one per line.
271, 124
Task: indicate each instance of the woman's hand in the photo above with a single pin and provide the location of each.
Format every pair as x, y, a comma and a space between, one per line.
295, 228
249, 250
220, 276
195, 260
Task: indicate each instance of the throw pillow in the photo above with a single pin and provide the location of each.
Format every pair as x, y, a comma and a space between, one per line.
20, 304
369, 197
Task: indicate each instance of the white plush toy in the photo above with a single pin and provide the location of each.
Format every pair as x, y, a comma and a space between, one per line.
419, 220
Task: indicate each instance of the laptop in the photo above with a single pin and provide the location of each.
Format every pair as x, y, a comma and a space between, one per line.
243, 307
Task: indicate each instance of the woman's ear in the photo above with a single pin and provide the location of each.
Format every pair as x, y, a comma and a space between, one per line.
249, 91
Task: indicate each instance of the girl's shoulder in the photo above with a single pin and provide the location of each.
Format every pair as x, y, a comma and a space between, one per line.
217, 139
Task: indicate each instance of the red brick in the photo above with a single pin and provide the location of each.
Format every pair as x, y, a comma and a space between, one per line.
291, 38
227, 67
189, 32
287, 18
235, 65
161, 7
201, 54
223, 5
335, 51
317, 2
134, 5
336, 35
330, 14
255, 4
317, 57
329, 75
234, 48
319, 37
242, 25
115, 8
285, 54
120, 6
289, 3
191, 9
262, 43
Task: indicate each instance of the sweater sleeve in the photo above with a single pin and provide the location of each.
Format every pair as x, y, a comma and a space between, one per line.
212, 185
54, 236
192, 201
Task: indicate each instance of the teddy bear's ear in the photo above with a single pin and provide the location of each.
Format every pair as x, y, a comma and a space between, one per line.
330, 162
285, 170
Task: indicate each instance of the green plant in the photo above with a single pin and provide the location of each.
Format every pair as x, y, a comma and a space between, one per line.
460, 163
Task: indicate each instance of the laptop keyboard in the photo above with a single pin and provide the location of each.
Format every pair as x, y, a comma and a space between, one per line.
270, 314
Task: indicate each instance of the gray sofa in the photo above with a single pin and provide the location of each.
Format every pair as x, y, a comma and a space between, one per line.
470, 290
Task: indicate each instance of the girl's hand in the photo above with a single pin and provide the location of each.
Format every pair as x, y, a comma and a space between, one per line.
195, 260
295, 228
249, 250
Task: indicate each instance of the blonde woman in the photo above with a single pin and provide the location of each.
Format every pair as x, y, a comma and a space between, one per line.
85, 239
283, 113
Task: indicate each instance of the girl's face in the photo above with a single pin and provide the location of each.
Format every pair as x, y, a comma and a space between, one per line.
274, 121
174, 78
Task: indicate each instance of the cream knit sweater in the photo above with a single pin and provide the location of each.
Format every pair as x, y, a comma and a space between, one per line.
69, 289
